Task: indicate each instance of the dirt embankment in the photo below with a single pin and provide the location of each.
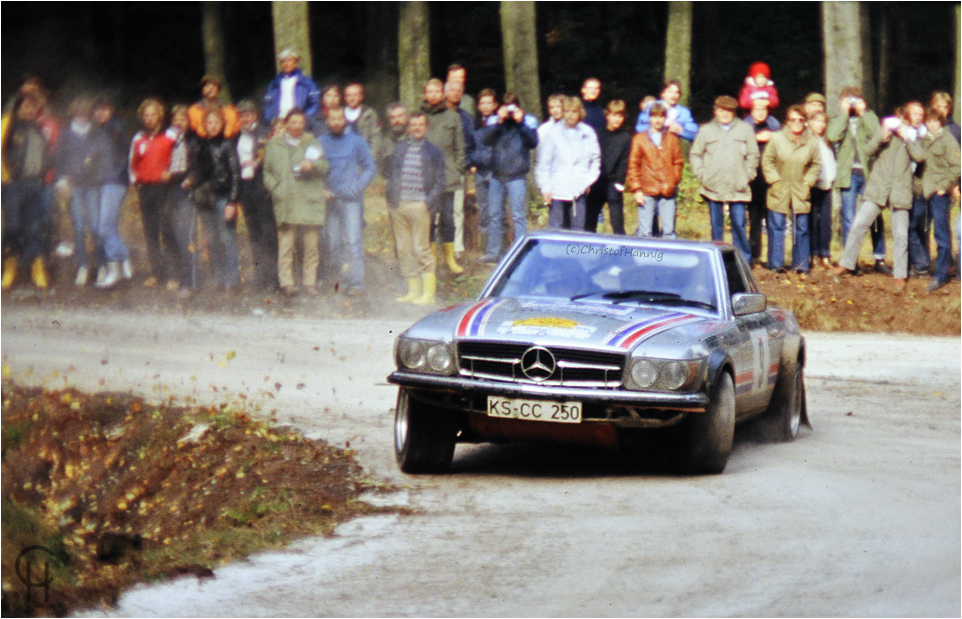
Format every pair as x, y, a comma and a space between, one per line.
865, 303
122, 491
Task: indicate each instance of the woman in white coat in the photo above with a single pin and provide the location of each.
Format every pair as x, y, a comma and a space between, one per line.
569, 161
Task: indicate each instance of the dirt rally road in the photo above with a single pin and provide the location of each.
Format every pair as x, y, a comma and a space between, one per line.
860, 516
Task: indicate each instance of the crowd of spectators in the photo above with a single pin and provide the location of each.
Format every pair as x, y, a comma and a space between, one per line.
297, 167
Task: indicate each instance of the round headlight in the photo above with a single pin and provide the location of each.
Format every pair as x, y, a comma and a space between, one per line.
644, 373
439, 358
674, 374
411, 354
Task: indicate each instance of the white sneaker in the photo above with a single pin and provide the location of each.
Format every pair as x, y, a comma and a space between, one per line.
112, 277
127, 269
81, 277
64, 250
101, 274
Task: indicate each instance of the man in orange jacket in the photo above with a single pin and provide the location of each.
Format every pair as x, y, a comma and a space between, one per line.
210, 87
654, 171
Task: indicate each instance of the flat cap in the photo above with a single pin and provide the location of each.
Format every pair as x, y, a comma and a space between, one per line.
726, 102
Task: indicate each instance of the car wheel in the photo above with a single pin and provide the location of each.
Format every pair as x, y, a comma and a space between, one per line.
710, 434
787, 407
423, 437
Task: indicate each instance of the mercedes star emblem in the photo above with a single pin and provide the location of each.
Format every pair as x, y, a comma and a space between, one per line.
538, 363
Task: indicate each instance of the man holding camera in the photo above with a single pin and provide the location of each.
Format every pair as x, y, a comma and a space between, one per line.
851, 132
510, 134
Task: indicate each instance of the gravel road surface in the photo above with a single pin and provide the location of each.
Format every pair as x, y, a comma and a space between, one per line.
859, 517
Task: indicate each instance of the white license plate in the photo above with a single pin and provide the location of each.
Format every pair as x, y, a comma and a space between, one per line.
534, 410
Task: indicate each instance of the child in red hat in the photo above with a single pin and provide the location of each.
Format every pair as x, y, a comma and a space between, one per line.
758, 85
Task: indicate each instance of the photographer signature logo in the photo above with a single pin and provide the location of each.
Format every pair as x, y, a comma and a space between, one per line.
27, 578
585, 249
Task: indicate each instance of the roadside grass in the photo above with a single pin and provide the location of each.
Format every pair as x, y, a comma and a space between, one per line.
122, 491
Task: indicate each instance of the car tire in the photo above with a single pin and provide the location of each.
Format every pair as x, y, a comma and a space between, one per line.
424, 438
710, 435
787, 409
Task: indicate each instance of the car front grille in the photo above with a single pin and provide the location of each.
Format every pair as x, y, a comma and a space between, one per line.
572, 367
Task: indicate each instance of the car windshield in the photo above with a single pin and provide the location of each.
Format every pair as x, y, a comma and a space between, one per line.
609, 272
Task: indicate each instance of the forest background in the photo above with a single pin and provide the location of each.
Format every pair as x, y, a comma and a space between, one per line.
898, 50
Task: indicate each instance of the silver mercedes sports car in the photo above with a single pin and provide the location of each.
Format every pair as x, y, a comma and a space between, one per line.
585, 338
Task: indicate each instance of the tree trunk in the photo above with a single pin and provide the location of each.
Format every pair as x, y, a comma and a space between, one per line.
520, 37
885, 73
414, 51
847, 61
678, 47
292, 30
958, 64
214, 54
865, 37
380, 59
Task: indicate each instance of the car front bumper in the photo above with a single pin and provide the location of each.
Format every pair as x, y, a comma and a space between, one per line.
689, 402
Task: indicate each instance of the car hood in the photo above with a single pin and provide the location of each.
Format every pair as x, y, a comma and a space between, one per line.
556, 322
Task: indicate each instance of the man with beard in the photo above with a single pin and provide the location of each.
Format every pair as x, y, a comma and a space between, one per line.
351, 171
396, 130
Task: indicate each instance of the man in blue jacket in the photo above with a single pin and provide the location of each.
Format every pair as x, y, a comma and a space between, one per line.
679, 120
290, 89
351, 171
511, 134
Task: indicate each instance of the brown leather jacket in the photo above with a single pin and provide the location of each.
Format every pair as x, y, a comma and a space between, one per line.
652, 170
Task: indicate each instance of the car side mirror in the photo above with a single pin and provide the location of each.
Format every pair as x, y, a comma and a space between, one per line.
745, 303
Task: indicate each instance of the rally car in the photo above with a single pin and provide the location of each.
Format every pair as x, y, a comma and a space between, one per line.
584, 338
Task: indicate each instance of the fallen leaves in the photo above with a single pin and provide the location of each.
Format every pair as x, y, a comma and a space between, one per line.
73, 459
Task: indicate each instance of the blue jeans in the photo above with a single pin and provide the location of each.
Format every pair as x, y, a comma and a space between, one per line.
919, 218
940, 206
665, 207
850, 198
801, 248
517, 190
568, 214
84, 215
112, 246
736, 215
345, 219
180, 231
222, 241
24, 216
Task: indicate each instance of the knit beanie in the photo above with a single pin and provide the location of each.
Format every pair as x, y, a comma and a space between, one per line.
759, 67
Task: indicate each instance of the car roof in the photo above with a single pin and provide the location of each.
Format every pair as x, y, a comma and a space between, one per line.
579, 236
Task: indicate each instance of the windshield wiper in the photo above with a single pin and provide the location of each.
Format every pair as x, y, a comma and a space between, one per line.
627, 294
636, 295
690, 302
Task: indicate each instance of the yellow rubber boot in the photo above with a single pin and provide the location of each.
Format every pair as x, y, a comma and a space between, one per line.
38, 274
9, 272
429, 286
449, 258
414, 290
